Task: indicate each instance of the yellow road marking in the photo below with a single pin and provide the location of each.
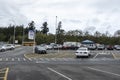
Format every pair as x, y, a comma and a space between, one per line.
4, 71
6, 74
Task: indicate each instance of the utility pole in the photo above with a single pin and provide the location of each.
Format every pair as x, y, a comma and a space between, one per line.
14, 24
56, 31
23, 36
14, 36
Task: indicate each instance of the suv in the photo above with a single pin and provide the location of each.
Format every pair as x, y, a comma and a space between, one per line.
92, 47
82, 52
101, 47
9, 46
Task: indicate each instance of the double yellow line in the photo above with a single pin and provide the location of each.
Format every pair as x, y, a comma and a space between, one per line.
5, 72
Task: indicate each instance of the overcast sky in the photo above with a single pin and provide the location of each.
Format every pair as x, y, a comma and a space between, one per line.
91, 15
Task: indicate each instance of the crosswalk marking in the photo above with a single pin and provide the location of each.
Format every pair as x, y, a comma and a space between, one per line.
18, 59
0, 59
29, 59
13, 59
49, 59
6, 59
24, 59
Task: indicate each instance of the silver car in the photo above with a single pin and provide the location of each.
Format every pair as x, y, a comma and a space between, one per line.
2, 48
9, 46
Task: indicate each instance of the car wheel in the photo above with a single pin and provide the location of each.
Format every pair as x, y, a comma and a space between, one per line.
77, 56
2, 50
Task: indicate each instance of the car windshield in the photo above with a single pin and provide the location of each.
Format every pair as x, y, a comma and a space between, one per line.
101, 45
82, 49
39, 47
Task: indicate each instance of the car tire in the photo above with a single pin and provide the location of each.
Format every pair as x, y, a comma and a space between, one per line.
2, 50
77, 56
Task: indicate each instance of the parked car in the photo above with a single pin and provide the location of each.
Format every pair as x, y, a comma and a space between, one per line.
9, 46
91, 46
82, 52
40, 50
117, 47
48, 47
101, 47
2, 48
110, 47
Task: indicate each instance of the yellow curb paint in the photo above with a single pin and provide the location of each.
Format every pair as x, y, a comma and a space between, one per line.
26, 56
6, 73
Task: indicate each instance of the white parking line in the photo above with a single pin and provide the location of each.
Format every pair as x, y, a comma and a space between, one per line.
104, 71
95, 55
0, 59
59, 73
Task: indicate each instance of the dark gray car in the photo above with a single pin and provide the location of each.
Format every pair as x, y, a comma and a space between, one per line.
40, 50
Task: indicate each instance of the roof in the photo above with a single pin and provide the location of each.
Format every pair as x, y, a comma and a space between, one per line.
87, 42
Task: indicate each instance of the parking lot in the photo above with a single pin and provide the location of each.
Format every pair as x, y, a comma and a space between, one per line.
111, 54
22, 64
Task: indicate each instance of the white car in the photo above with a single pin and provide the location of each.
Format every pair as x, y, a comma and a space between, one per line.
2, 48
82, 52
9, 46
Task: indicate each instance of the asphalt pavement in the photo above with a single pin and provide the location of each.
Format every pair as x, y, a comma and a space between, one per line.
102, 65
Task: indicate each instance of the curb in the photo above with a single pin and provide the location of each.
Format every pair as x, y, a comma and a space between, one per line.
26, 57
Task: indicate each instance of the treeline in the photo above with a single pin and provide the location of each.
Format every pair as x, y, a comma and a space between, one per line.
21, 34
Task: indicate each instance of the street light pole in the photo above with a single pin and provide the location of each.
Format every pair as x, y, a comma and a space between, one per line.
14, 30
23, 36
14, 36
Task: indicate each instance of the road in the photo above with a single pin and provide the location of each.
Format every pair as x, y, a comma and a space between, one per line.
102, 65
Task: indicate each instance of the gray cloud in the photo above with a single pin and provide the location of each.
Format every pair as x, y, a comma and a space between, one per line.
10, 13
106, 6
80, 14
72, 21
90, 29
